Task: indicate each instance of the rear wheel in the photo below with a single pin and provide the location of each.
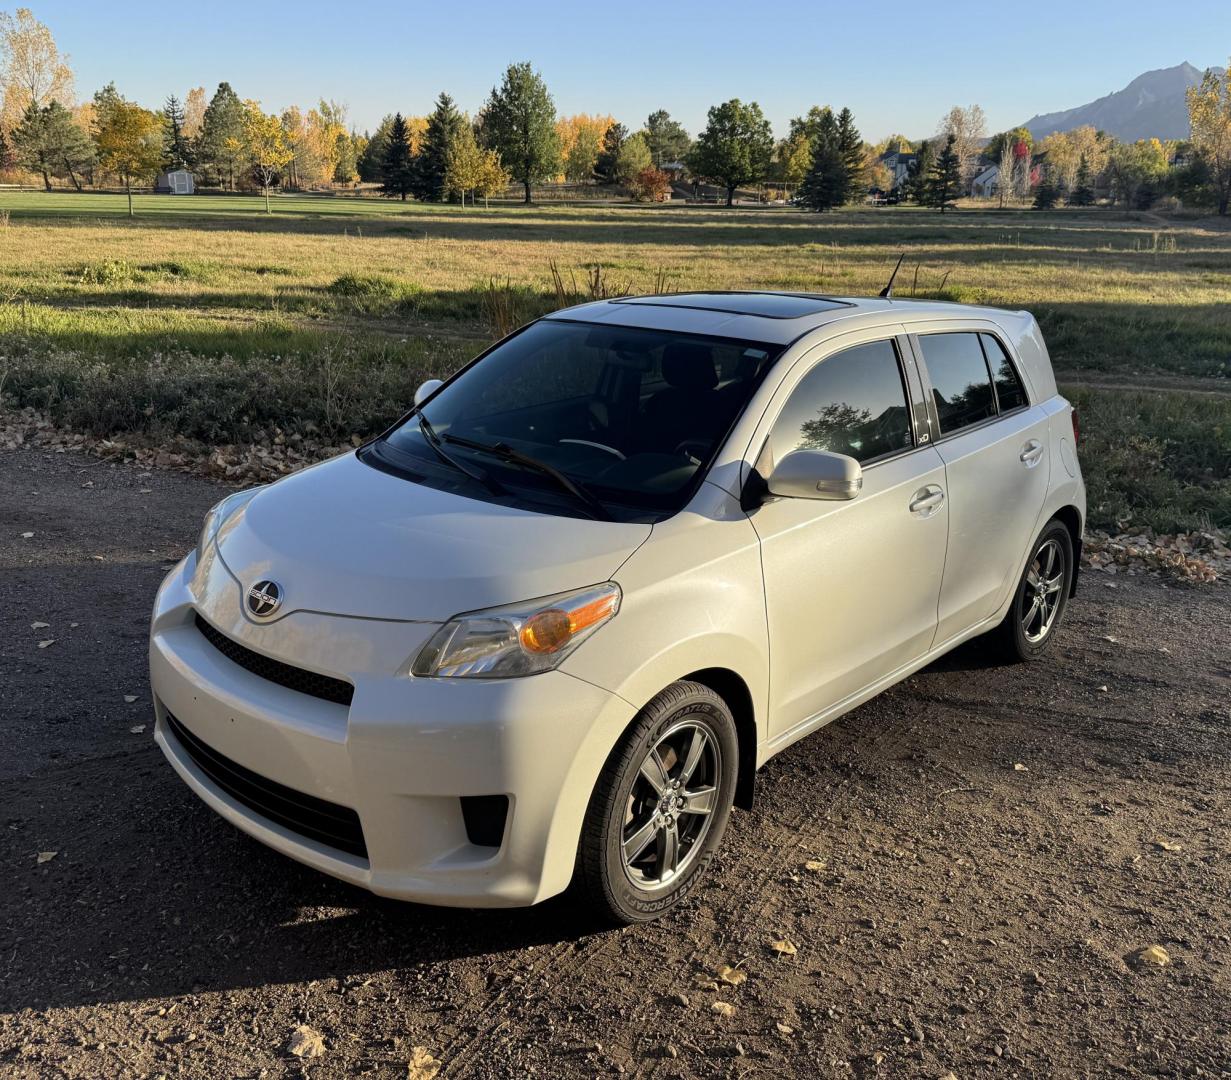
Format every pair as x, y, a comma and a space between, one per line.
660, 806
1041, 597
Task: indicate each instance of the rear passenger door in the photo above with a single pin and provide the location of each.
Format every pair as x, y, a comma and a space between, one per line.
994, 444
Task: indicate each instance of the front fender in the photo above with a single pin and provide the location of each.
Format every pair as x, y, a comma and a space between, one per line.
693, 600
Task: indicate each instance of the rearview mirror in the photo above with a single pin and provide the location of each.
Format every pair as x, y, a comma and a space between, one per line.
816, 474
427, 389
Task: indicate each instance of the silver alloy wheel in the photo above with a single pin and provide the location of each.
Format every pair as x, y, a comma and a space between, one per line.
1041, 591
670, 806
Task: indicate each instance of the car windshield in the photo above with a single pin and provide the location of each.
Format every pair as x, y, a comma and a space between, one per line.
582, 419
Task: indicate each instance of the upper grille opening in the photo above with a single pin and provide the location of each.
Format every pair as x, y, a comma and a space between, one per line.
324, 687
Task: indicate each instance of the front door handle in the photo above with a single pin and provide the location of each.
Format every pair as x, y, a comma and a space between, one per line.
926, 501
1032, 454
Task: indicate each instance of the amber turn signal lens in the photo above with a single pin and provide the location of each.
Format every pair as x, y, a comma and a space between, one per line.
546, 631
550, 630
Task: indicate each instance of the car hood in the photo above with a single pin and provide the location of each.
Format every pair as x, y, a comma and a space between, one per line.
346, 539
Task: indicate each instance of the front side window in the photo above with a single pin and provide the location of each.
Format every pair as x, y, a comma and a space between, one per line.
852, 403
961, 385
581, 417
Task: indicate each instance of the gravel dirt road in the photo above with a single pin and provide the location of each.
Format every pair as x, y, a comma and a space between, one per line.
965, 867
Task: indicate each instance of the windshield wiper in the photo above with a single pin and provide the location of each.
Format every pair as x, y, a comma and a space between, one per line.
506, 453
433, 440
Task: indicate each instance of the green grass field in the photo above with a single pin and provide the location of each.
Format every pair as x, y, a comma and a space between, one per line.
206, 317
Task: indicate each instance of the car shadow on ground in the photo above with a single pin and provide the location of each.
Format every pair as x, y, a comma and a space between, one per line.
177, 902
151, 895
977, 654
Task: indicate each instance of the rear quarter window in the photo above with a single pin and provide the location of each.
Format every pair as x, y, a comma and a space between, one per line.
1010, 393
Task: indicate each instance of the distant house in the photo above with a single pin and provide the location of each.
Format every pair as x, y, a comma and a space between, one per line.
174, 182
899, 165
986, 182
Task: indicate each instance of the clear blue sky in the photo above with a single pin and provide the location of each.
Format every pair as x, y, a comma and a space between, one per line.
899, 66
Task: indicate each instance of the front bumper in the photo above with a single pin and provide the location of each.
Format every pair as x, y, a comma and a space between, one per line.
401, 756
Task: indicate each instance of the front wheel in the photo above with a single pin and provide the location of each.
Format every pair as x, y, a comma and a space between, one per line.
1041, 597
660, 806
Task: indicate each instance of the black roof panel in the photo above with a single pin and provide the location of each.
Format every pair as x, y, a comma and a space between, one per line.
768, 305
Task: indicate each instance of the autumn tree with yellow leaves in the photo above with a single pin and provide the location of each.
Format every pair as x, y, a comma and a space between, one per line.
32, 70
463, 164
194, 112
265, 145
129, 141
1065, 151
581, 139
1209, 115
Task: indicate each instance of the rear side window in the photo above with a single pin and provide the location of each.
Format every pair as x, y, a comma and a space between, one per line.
1010, 394
853, 403
961, 385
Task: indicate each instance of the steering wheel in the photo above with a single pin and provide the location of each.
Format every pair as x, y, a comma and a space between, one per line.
686, 448
597, 446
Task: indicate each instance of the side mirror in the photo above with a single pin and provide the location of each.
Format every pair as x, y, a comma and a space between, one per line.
427, 389
816, 474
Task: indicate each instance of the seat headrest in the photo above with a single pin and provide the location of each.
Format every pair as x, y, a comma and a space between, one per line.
689, 365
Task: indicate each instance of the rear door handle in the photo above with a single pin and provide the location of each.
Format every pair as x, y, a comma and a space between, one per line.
1032, 454
926, 501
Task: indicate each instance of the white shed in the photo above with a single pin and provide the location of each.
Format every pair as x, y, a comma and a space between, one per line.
174, 182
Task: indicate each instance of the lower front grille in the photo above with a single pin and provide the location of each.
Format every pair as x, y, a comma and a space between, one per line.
317, 819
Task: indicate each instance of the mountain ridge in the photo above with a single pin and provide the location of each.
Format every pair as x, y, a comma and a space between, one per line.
1152, 105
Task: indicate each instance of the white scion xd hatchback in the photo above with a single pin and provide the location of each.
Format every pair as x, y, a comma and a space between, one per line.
546, 628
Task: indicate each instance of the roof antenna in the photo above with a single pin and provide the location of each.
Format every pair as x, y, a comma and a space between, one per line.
887, 292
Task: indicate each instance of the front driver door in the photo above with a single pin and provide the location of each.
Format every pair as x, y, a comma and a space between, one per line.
851, 587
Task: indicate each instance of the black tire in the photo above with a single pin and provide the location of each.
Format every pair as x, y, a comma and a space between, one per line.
626, 803
1023, 639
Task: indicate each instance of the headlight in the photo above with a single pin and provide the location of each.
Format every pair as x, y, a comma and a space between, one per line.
521, 639
220, 512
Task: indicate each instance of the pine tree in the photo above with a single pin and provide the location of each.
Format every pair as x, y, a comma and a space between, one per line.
444, 128
945, 180
606, 165
1083, 187
915, 186
850, 146
47, 141
825, 184
1046, 195
105, 101
370, 161
397, 171
175, 151
220, 139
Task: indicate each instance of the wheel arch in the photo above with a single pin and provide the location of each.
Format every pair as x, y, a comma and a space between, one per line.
730, 686
1070, 517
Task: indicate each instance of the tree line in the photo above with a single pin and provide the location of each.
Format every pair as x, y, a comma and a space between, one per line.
518, 138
